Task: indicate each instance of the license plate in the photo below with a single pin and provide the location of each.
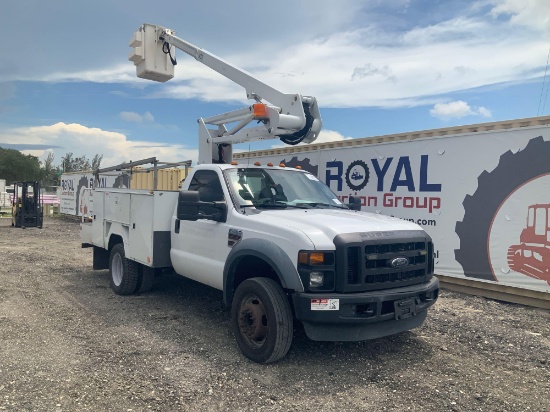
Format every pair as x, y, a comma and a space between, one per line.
404, 308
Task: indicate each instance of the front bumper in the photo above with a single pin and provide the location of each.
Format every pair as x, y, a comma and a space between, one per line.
366, 315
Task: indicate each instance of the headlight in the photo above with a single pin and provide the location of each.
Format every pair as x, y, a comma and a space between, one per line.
317, 269
316, 279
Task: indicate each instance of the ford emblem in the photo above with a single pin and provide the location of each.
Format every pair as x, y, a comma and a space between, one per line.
399, 262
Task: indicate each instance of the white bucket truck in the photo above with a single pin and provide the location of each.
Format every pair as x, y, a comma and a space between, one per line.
275, 240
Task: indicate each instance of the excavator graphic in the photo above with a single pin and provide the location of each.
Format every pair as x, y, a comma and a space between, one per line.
532, 256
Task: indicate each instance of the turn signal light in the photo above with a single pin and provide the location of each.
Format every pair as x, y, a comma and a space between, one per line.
316, 258
311, 258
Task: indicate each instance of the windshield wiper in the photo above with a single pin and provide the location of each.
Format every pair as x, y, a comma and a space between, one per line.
276, 204
266, 203
320, 204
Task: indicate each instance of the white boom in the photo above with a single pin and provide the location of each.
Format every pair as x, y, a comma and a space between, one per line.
291, 117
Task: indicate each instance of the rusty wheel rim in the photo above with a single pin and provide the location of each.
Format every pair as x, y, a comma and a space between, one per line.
253, 321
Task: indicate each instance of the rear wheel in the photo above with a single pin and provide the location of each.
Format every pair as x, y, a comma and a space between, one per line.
262, 320
125, 273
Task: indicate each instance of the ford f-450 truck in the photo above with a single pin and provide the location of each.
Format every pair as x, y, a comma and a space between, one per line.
274, 239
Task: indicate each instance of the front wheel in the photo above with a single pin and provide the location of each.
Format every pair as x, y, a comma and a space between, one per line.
262, 320
125, 273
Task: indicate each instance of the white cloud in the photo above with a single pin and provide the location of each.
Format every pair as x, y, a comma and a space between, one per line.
136, 117
88, 141
458, 109
120, 73
330, 136
482, 111
524, 12
350, 57
359, 68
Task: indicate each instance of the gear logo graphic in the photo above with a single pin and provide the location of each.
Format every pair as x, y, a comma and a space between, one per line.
304, 164
357, 175
494, 188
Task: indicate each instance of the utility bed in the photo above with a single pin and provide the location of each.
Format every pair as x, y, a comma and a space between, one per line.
144, 216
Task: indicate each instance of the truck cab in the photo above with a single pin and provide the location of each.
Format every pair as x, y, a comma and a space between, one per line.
345, 274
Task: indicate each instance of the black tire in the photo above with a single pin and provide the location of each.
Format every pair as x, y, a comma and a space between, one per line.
262, 320
512, 171
125, 273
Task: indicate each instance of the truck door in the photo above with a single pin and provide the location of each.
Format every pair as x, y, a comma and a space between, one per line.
200, 248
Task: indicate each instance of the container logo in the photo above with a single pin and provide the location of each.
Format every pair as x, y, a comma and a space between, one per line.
357, 175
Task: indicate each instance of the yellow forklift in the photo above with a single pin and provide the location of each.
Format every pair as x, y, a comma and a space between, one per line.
27, 205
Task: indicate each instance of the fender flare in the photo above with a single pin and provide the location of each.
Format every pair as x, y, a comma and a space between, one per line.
267, 251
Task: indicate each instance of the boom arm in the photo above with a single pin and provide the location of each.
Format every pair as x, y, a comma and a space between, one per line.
291, 117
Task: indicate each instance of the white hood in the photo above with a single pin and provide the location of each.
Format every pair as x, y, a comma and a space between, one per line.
322, 225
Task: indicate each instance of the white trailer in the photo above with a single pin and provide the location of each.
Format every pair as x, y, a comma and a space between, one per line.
481, 191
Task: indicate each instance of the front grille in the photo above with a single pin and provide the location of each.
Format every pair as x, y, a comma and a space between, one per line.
395, 247
395, 276
393, 259
383, 262
354, 265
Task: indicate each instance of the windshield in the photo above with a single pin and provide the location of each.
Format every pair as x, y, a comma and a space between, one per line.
279, 188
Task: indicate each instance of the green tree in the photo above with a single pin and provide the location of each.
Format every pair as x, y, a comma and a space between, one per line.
70, 163
96, 161
15, 166
48, 171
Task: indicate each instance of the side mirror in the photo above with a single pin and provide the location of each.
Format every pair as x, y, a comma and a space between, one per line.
190, 207
354, 203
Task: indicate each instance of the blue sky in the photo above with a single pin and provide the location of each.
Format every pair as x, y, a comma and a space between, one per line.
375, 67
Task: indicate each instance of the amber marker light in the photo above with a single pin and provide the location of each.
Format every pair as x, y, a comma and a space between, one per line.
302, 258
316, 258
234, 163
299, 167
270, 164
257, 164
260, 111
311, 258
282, 165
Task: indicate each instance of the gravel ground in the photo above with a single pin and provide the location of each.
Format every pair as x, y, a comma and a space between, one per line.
69, 343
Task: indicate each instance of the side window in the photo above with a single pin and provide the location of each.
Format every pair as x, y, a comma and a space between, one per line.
207, 183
